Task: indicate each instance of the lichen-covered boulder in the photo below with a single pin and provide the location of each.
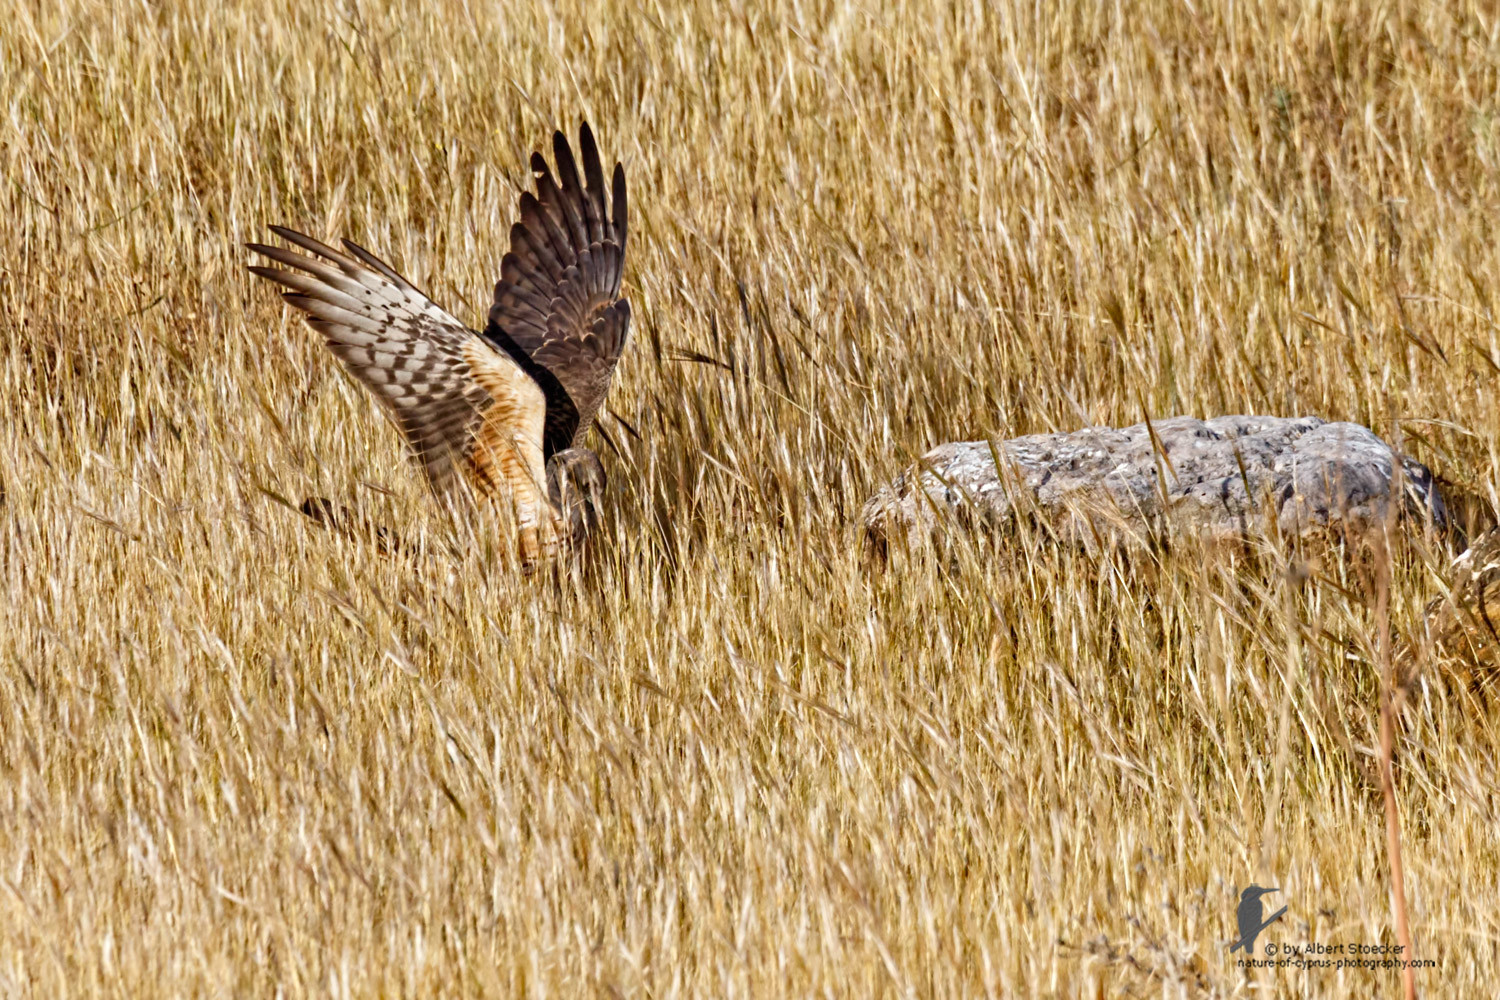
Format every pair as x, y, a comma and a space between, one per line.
1226, 477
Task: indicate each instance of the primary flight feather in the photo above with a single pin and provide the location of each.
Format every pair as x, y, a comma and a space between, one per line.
501, 412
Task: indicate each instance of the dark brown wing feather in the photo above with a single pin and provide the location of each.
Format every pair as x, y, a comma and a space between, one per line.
558, 310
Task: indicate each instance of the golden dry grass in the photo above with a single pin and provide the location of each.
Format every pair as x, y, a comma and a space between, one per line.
240, 756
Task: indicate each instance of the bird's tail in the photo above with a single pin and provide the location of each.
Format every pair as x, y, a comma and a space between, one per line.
353, 524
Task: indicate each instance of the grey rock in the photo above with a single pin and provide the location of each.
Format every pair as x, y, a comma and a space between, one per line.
1226, 477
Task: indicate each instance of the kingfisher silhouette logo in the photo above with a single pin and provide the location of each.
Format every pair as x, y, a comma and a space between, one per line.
1250, 916
1252, 919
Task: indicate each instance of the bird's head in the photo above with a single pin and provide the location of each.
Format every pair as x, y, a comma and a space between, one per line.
575, 485
1255, 892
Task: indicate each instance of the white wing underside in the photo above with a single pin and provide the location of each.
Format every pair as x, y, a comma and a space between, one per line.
472, 417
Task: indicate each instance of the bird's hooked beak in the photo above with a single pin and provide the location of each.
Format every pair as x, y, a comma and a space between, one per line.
575, 486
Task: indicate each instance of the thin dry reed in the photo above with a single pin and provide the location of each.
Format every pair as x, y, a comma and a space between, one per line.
242, 756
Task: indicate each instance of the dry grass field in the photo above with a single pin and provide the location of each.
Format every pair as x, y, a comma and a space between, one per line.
243, 756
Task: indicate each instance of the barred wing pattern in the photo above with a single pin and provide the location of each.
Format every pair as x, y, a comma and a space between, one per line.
557, 309
470, 414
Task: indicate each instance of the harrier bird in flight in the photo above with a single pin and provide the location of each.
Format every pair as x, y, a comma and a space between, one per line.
502, 413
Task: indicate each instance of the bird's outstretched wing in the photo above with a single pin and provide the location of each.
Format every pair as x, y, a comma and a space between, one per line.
469, 412
558, 310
